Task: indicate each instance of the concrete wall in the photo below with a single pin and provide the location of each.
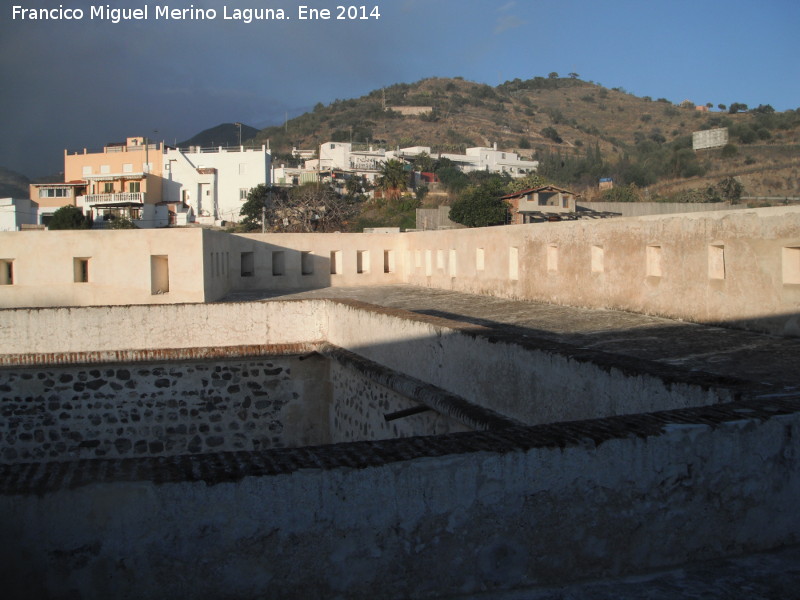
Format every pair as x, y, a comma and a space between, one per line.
119, 267
527, 381
738, 268
641, 209
468, 514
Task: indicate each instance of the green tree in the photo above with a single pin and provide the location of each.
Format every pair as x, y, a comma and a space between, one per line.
69, 217
552, 75
393, 178
121, 223
737, 107
528, 182
481, 205
258, 201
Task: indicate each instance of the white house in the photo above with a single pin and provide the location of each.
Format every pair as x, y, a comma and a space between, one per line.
214, 182
16, 212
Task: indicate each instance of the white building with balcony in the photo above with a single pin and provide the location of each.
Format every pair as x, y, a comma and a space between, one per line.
214, 182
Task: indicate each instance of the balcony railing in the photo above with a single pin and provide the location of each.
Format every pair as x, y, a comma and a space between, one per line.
121, 198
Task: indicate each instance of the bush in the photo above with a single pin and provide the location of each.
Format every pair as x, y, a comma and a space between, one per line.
729, 151
69, 217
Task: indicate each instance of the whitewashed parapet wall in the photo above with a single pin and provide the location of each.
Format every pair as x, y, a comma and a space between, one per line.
739, 268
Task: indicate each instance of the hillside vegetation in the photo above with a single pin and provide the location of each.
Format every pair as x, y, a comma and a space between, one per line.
578, 130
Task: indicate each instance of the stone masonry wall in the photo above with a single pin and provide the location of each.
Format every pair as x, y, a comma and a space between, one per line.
359, 406
146, 409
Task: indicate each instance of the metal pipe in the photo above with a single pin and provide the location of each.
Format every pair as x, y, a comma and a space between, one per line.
408, 412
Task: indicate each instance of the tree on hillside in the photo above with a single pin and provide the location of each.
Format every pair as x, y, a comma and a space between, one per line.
533, 180
573, 75
481, 205
552, 75
737, 107
69, 217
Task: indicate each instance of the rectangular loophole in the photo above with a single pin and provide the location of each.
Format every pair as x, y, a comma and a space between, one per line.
716, 261
440, 259
6, 271
598, 259
306, 263
159, 274
513, 263
480, 259
790, 262
388, 261
336, 262
654, 261
417, 258
247, 264
278, 263
552, 258
80, 270
362, 261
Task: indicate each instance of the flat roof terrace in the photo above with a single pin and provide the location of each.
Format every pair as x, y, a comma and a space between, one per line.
767, 364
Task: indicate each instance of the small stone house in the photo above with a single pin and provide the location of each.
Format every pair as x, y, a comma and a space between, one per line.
539, 204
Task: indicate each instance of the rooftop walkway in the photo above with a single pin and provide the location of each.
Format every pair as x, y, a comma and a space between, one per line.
767, 362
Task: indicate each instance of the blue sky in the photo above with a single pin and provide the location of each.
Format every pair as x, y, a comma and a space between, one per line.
74, 84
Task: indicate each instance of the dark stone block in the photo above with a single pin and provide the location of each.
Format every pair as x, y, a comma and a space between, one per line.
95, 384
215, 441
156, 447
162, 383
123, 374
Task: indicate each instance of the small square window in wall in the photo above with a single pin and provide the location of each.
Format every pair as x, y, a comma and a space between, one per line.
336, 262
306, 263
388, 261
513, 263
417, 258
80, 268
6, 271
440, 259
716, 261
480, 259
278, 263
790, 261
653, 261
159, 274
452, 265
362, 261
247, 264
598, 259
552, 258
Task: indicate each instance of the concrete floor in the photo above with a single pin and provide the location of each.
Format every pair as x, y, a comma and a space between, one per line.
766, 365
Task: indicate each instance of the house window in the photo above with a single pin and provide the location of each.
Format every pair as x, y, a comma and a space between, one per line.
248, 264
306, 263
242, 168
243, 193
53, 192
134, 187
127, 168
362, 261
654, 261
105, 169
598, 259
388, 261
513, 263
108, 188
552, 258
80, 268
87, 170
716, 261
6, 272
159, 274
336, 262
791, 265
278, 263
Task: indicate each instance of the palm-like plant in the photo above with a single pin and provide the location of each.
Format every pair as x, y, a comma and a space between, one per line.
393, 179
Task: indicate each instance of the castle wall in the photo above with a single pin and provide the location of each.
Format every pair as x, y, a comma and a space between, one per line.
739, 268
400, 519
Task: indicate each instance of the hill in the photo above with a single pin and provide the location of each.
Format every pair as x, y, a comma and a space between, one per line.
579, 130
13, 184
226, 134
